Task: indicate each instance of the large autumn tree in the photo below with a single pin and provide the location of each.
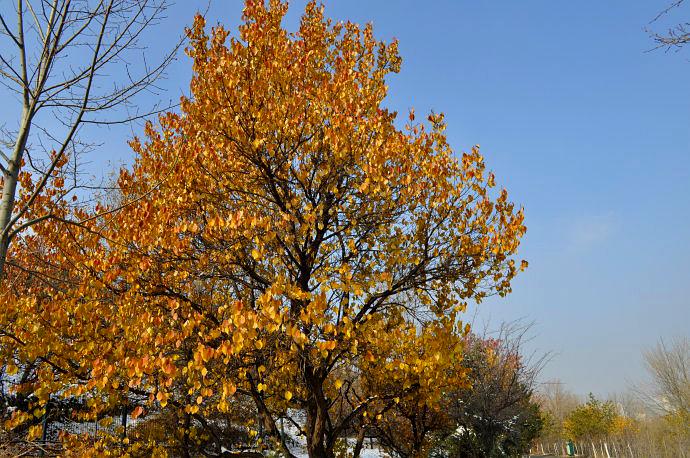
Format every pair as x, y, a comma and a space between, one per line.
272, 240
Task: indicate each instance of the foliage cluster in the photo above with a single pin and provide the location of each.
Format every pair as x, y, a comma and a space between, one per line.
592, 420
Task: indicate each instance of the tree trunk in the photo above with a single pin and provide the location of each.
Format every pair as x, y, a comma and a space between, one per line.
268, 422
359, 444
185, 437
316, 433
9, 188
319, 442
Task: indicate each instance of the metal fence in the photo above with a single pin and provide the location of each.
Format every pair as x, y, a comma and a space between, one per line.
55, 423
633, 447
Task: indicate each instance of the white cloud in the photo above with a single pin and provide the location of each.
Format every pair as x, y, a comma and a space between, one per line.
587, 231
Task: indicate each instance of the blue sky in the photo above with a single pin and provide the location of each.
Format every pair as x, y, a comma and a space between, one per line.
586, 130
590, 133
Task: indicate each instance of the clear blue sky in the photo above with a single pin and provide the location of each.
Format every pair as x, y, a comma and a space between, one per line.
587, 131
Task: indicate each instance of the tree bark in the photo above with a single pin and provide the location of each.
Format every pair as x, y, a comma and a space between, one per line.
359, 444
9, 188
319, 442
316, 433
267, 420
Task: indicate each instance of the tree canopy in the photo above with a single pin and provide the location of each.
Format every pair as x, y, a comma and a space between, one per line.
280, 240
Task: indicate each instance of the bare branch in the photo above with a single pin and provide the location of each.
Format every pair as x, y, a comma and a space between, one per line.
22, 51
36, 21
676, 36
15, 76
669, 368
8, 31
666, 10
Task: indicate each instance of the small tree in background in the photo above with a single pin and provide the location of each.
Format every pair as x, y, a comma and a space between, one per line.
593, 420
556, 403
409, 423
496, 414
669, 368
668, 392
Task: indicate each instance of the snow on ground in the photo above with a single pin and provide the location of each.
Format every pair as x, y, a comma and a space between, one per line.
375, 452
298, 447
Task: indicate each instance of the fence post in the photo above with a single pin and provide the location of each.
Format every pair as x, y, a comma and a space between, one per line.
124, 422
44, 426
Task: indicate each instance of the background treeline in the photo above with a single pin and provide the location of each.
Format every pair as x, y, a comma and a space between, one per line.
652, 419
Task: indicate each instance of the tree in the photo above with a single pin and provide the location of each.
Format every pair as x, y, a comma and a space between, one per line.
496, 414
677, 35
594, 419
669, 368
484, 406
56, 63
669, 390
286, 233
556, 403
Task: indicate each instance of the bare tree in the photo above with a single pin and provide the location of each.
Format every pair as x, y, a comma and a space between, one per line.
68, 63
676, 36
557, 400
669, 368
